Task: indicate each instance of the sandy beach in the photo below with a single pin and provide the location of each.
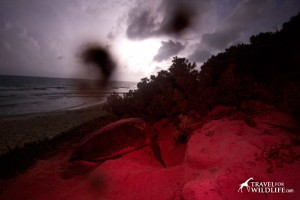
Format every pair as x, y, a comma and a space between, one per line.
220, 155
15, 132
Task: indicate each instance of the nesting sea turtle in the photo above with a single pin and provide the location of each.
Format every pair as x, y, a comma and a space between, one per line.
116, 139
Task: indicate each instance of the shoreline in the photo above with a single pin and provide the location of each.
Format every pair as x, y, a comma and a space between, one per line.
18, 131
18, 160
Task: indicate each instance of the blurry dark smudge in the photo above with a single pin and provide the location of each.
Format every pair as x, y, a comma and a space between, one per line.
97, 65
100, 58
177, 17
179, 22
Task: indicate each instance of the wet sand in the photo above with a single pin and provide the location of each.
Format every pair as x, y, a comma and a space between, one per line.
15, 132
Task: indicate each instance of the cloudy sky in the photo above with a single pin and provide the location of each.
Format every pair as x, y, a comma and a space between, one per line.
44, 38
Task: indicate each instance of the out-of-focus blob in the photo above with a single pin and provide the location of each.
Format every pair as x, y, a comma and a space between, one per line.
178, 17
100, 58
171, 17
98, 66
180, 21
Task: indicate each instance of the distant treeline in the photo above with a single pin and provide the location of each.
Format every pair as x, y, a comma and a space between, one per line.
266, 70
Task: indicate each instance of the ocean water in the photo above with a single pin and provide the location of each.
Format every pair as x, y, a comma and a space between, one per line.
21, 95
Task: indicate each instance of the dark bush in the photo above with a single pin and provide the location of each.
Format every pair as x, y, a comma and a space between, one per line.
266, 70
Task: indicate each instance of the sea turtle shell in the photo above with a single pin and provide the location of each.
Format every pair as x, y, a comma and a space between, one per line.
111, 141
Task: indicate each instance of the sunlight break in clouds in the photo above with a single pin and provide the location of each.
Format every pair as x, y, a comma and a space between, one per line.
137, 55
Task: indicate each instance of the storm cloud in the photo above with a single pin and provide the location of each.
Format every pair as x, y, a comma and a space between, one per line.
42, 38
243, 18
142, 24
200, 55
246, 18
211, 25
167, 50
170, 17
34, 34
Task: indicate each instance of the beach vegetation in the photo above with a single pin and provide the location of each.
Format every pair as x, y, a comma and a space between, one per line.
167, 94
264, 70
